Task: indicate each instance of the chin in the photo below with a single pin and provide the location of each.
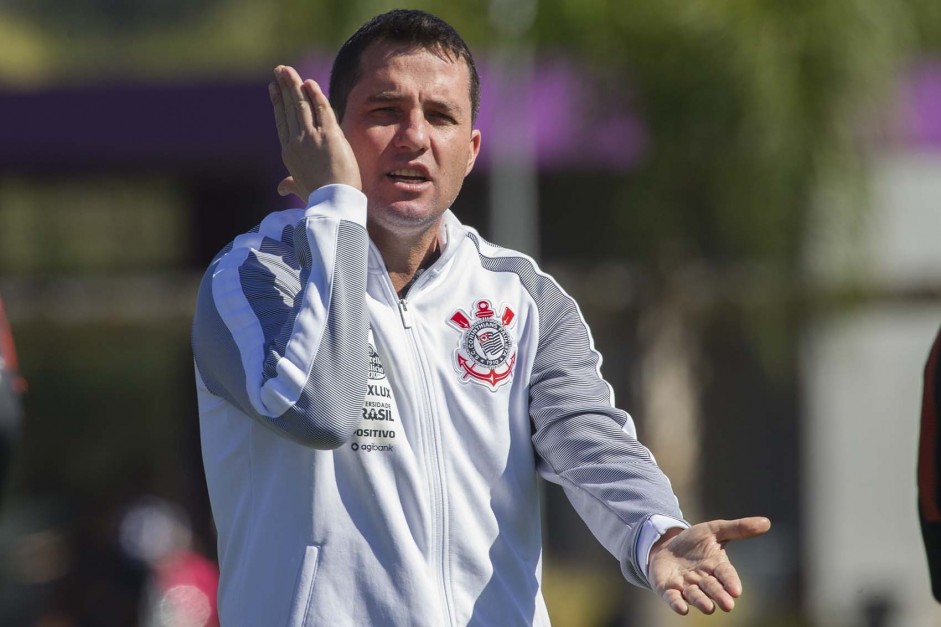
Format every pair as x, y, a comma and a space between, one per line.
404, 217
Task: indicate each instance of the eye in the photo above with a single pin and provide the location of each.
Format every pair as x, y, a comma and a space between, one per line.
438, 117
383, 111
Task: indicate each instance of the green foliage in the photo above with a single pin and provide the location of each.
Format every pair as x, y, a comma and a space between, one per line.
226, 37
108, 411
90, 225
303, 25
928, 24
749, 105
109, 15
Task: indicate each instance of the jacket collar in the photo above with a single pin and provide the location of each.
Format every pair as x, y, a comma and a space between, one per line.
451, 232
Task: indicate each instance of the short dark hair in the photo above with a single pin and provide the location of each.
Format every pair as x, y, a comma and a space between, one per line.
403, 26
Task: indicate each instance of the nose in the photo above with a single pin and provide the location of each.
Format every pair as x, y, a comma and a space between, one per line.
413, 132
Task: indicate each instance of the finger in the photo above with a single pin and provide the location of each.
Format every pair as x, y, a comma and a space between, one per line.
698, 599
676, 602
302, 104
716, 591
740, 529
284, 90
289, 96
277, 103
324, 116
310, 91
728, 577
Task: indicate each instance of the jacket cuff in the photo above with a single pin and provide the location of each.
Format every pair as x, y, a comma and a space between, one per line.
337, 201
651, 531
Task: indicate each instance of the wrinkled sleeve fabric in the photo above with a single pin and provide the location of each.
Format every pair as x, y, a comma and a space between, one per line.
929, 467
280, 329
588, 446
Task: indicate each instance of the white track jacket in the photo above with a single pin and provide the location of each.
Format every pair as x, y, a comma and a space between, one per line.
372, 460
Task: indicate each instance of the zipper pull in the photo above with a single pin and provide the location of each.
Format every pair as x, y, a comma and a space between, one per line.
405, 313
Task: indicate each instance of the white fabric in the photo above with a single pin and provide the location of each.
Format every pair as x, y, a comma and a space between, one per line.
428, 514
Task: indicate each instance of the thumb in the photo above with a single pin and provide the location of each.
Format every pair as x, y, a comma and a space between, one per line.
287, 187
741, 528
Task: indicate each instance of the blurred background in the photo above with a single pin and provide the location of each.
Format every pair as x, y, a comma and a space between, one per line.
744, 197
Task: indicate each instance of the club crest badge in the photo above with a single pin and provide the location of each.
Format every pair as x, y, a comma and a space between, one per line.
486, 351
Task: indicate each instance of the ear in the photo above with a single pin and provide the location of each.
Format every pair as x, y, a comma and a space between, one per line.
474, 150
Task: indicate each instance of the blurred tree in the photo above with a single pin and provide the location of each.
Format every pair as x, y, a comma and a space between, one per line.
928, 24
105, 15
749, 106
94, 40
751, 109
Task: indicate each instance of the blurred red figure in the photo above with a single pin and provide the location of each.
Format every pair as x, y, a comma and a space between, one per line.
929, 467
181, 588
185, 590
12, 385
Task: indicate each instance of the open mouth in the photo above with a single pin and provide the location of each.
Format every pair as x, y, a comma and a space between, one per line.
408, 175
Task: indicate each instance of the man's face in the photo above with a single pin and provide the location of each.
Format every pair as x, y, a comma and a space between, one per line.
408, 120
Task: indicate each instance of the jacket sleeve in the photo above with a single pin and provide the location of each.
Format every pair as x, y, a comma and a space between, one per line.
280, 329
929, 467
588, 446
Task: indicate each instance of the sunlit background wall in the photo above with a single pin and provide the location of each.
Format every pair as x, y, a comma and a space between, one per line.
744, 197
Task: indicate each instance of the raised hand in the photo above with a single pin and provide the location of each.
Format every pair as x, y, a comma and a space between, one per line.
313, 146
691, 568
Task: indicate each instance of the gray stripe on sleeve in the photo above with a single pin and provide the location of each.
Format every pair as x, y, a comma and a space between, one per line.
215, 352
330, 407
609, 476
273, 282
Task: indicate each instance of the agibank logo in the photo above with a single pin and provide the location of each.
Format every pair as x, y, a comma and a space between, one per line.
377, 429
486, 352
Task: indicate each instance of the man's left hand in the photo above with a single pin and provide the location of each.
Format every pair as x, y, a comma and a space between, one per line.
691, 568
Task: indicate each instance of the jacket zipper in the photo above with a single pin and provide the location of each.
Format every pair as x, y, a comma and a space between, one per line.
430, 440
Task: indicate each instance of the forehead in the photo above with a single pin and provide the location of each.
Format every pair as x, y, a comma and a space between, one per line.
390, 67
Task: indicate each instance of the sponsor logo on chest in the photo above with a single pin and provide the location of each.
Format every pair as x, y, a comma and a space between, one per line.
486, 349
377, 429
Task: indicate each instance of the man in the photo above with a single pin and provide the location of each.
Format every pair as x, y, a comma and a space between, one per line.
929, 467
379, 386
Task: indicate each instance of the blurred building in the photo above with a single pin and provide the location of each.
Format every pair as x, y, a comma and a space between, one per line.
862, 374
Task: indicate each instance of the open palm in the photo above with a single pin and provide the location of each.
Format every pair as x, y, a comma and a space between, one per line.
692, 568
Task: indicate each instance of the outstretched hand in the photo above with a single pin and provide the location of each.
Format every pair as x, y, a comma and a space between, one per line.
691, 568
313, 146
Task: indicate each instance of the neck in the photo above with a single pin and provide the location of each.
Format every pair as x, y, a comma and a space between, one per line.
405, 254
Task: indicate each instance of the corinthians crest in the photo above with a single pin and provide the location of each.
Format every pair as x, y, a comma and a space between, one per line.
486, 351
